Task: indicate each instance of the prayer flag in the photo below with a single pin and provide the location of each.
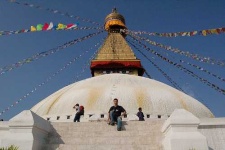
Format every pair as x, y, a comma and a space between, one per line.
214, 31
39, 27
45, 27
61, 26
223, 29
204, 32
50, 26
69, 26
32, 28
54, 27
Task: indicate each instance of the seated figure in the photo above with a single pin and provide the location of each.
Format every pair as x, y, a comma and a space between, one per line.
115, 113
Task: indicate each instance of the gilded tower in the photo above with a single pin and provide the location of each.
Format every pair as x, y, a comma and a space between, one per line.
115, 55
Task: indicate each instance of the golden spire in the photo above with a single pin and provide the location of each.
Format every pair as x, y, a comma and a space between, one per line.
115, 55
114, 21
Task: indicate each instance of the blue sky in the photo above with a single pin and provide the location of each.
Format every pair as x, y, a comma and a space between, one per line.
144, 15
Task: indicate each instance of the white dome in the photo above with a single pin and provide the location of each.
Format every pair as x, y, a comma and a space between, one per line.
96, 94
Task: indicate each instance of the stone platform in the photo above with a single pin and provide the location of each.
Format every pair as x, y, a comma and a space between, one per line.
101, 136
181, 131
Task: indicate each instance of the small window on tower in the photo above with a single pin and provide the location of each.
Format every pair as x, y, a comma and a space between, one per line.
148, 115
108, 72
58, 117
123, 71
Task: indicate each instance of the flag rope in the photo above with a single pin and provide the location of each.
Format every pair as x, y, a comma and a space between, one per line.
184, 53
174, 84
5, 33
204, 32
47, 80
37, 56
179, 66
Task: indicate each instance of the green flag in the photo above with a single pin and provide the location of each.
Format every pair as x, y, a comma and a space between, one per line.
39, 27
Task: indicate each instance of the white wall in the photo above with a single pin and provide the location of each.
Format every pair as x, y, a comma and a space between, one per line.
214, 130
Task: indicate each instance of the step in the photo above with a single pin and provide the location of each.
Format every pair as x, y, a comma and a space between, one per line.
76, 125
84, 127
103, 147
152, 122
99, 135
136, 140
105, 134
105, 128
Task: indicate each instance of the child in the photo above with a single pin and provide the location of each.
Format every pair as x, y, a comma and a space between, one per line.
140, 114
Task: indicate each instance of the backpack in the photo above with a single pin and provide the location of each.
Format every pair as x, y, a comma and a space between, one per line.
81, 112
81, 108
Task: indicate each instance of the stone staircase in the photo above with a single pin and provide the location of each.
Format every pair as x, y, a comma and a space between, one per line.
135, 135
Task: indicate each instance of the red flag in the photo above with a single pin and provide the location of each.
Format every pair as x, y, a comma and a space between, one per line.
45, 27
223, 29
69, 26
208, 31
218, 30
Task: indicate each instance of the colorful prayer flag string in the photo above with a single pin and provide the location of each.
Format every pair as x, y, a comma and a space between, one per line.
174, 84
48, 27
51, 26
54, 11
45, 53
204, 70
185, 53
41, 27
47, 80
179, 66
189, 33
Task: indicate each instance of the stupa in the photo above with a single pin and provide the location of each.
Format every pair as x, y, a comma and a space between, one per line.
117, 73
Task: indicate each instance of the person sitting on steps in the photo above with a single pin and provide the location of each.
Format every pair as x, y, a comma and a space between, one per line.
140, 114
115, 113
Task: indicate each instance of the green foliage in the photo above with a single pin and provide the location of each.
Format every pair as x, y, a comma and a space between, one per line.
12, 147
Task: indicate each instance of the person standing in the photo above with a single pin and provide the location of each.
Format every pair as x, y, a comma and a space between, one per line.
79, 112
115, 113
140, 114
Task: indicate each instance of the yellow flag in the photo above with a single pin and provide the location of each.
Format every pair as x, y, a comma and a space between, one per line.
61, 26
32, 28
213, 31
204, 32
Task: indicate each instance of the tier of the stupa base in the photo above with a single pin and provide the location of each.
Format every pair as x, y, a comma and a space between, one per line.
181, 131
